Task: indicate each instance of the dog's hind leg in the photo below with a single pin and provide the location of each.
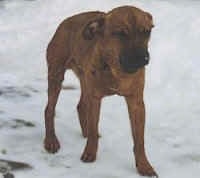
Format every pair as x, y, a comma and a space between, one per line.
89, 154
83, 112
55, 78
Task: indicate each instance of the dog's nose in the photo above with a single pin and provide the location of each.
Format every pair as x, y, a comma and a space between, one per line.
142, 54
131, 61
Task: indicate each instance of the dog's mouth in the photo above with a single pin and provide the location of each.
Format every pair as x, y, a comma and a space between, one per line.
130, 63
131, 66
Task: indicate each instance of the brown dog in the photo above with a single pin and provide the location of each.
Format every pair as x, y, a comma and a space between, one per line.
108, 52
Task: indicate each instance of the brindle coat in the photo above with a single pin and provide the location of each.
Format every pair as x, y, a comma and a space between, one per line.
108, 52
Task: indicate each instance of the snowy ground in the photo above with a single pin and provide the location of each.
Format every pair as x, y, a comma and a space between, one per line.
171, 94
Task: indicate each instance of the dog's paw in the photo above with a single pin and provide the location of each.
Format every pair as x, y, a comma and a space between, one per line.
51, 144
90, 151
88, 157
89, 154
147, 170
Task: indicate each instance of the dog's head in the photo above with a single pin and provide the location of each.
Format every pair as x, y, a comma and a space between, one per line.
122, 37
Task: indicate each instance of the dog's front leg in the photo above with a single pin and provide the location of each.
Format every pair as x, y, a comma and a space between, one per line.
89, 154
136, 110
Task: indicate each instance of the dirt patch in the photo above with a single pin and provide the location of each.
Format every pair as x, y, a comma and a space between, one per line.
16, 123
10, 92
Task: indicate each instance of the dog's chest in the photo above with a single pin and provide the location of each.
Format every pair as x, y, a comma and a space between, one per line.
107, 84
103, 81
125, 84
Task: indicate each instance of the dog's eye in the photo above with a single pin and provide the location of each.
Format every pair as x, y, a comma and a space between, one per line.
120, 33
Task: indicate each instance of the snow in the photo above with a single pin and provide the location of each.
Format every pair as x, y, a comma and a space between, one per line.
171, 94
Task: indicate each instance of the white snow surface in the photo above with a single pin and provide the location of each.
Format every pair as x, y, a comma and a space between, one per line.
171, 94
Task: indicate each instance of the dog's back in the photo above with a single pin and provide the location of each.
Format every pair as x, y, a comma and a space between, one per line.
69, 31
78, 21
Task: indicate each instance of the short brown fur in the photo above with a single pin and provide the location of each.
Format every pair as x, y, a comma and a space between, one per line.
88, 44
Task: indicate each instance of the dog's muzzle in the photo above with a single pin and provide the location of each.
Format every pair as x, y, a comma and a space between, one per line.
130, 62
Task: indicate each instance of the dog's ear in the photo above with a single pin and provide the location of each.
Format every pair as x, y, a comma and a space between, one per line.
93, 28
145, 22
142, 21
